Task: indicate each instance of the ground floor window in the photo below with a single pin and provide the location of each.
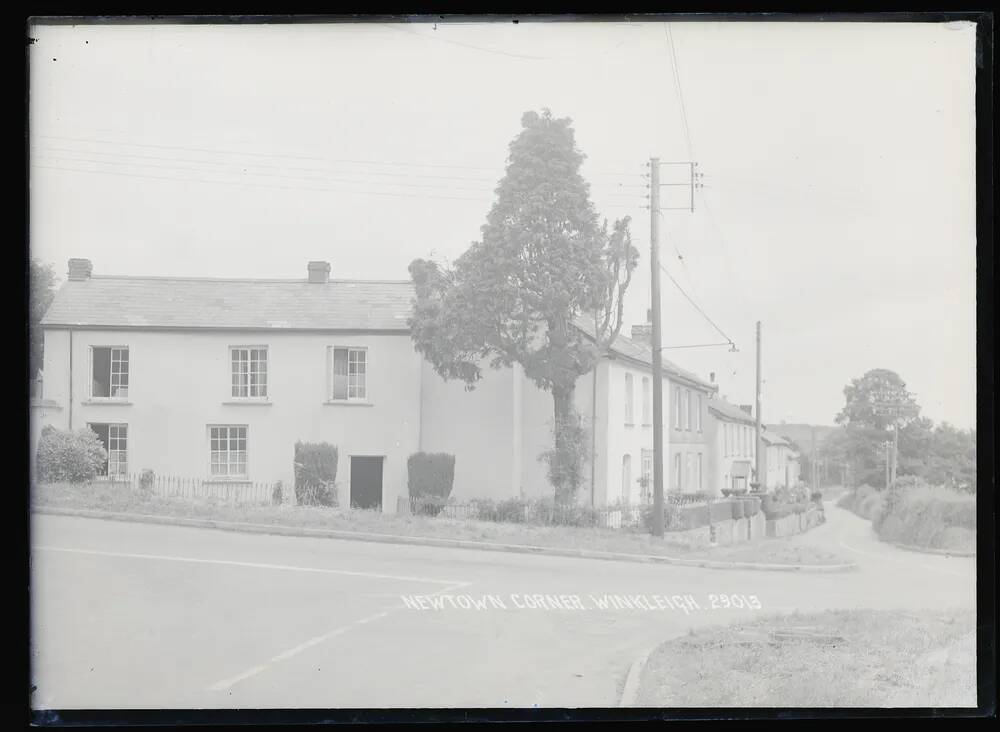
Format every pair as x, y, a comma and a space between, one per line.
228, 451
646, 493
114, 438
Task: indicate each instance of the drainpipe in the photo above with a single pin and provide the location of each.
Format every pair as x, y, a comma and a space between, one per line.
70, 379
593, 438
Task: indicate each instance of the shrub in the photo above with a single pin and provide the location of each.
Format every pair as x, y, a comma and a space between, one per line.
739, 510
277, 494
430, 476
428, 505
816, 496
147, 478
510, 510
673, 517
927, 516
315, 473
549, 513
69, 456
751, 505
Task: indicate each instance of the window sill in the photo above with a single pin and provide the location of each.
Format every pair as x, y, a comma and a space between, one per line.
347, 403
111, 401
248, 402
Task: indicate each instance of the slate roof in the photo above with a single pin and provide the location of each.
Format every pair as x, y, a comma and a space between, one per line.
639, 352
169, 302
730, 411
772, 438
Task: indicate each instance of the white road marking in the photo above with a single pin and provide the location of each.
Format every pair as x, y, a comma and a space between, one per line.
254, 565
294, 651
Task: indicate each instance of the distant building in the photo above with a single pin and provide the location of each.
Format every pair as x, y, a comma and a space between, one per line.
780, 464
734, 450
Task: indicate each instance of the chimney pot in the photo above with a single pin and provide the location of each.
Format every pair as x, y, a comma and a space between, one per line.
748, 408
80, 269
319, 272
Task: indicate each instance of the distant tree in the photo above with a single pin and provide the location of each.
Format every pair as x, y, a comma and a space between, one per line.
877, 400
512, 297
41, 290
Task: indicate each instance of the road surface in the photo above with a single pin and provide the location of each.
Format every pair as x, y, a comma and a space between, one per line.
149, 616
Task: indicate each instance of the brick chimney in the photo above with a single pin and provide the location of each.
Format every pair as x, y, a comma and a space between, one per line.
748, 408
80, 269
319, 272
644, 333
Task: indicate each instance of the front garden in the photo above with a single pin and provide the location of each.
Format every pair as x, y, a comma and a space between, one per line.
744, 528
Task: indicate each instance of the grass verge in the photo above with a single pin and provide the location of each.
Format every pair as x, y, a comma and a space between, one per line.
117, 498
850, 658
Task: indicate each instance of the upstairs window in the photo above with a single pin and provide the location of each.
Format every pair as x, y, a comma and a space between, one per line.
349, 378
687, 409
677, 407
645, 401
629, 408
697, 418
249, 372
109, 372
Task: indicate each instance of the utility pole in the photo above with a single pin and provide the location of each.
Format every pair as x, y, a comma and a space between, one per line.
757, 464
812, 462
895, 453
654, 267
888, 459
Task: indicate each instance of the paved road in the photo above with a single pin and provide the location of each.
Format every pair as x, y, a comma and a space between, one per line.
146, 616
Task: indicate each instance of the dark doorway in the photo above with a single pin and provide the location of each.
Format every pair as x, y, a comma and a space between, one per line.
366, 482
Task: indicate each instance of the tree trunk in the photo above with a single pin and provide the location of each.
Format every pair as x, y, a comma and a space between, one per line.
564, 470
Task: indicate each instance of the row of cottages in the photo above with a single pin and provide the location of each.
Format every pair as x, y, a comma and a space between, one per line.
217, 379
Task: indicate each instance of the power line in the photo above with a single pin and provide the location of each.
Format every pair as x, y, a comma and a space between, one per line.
677, 84
245, 184
466, 45
696, 306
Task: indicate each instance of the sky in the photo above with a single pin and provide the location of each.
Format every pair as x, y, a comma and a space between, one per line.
838, 163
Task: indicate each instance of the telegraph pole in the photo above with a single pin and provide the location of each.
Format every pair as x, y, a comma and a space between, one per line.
815, 468
757, 462
895, 453
654, 267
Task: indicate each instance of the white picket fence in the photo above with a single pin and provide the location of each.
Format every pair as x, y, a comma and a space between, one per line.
234, 492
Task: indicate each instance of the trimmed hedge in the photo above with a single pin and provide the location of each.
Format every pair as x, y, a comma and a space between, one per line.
934, 517
66, 456
430, 474
509, 511
316, 473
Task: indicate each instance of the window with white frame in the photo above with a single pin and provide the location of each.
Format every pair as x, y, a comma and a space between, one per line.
109, 372
645, 400
228, 445
697, 419
349, 375
699, 473
629, 403
249, 371
678, 476
677, 407
687, 409
114, 439
689, 471
725, 439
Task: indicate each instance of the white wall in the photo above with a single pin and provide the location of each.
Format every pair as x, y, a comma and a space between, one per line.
179, 383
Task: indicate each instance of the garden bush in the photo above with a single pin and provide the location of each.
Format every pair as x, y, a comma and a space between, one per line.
720, 511
510, 510
147, 479
549, 513
69, 456
430, 476
315, 473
